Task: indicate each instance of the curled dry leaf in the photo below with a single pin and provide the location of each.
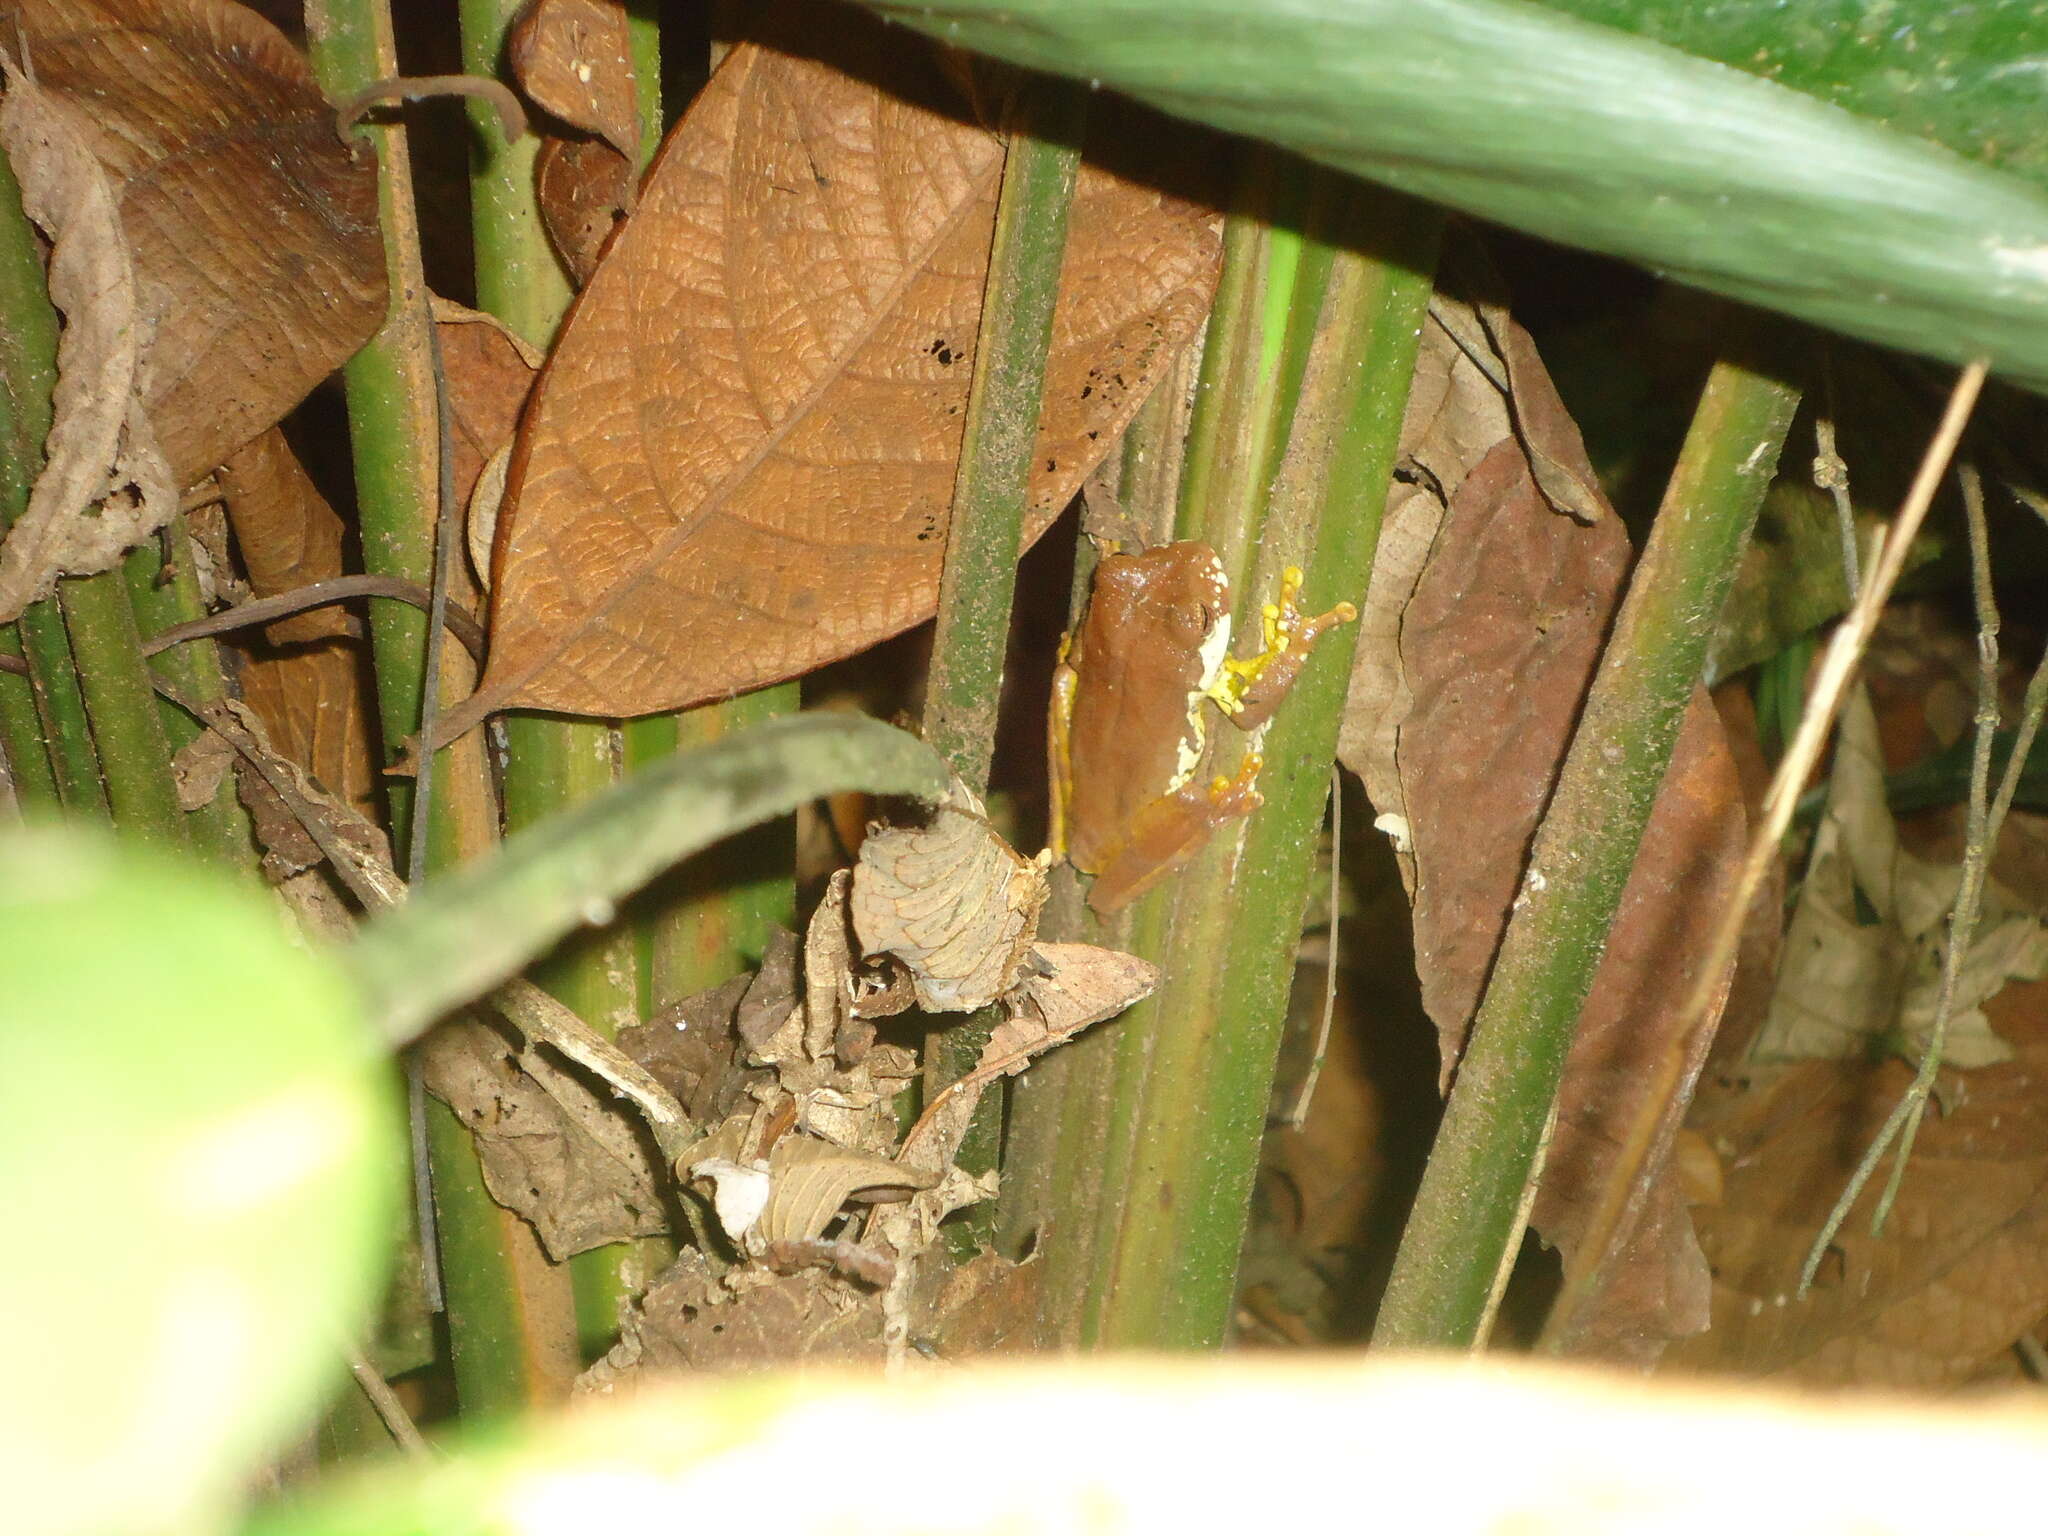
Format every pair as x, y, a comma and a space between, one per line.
253, 227
583, 188
573, 58
753, 477
1483, 627
104, 485
951, 901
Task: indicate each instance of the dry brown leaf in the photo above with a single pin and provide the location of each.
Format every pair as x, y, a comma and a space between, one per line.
566, 1158
104, 485
952, 902
1476, 655
753, 476
286, 532
573, 57
254, 229
583, 188
1961, 1270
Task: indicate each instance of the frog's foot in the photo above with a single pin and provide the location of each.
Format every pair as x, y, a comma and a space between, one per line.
1252, 687
1170, 830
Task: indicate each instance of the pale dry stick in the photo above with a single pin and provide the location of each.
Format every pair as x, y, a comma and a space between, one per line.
1831, 681
1831, 474
1297, 1117
403, 1431
1981, 828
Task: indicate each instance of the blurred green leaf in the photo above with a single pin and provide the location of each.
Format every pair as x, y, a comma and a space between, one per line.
1589, 136
194, 1185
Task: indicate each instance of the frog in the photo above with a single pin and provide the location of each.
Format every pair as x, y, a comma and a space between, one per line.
1132, 691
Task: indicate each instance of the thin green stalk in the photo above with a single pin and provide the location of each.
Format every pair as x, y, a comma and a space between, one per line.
551, 762
134, 749
163, 595
42, 717
511, 1346
1242, 408
985, 535
1469, 1212
1167, 1271
1060, 1109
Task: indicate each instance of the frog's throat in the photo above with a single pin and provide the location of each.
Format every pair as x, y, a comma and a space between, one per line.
1215, 653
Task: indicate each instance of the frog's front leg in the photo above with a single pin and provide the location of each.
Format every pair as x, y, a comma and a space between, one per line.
1252, 687
1167, 831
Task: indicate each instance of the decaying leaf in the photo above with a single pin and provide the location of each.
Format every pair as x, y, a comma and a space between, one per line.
1482, 630
753, 477
567, 1158
314, 701
1865, 945
104, 485
252, 226
951, 901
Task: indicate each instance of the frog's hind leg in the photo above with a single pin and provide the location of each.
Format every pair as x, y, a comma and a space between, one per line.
1172, 830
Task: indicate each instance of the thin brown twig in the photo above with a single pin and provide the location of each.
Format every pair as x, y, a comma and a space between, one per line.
460, 622
1983, 822
1587, 1276
382, 93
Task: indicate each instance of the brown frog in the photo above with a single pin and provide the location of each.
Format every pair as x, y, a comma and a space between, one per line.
1128, 726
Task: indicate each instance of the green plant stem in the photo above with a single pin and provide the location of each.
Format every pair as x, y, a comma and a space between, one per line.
43, 727
134, 749
1325, 374
985, 535
511, 1348
1060, 1109
1468, 1214
166, 595
550, 762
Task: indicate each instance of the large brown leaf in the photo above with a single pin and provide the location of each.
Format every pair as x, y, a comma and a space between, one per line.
1489, 606
739, 464
254, 228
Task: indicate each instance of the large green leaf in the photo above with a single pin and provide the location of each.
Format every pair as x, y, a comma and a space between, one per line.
1968, 76
195, 1183
1589, 136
